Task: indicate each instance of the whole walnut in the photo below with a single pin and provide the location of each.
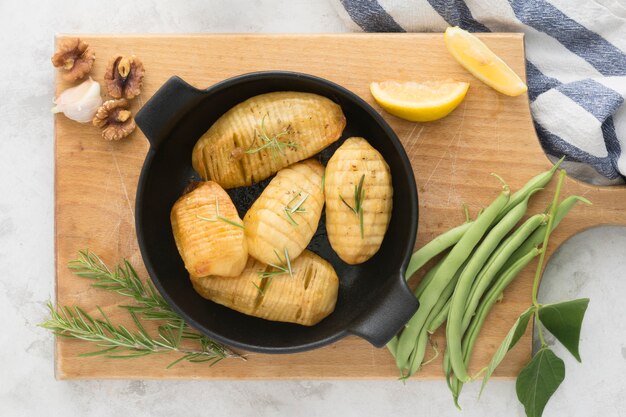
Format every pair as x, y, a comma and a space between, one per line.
124, 76
74, 58
115, 120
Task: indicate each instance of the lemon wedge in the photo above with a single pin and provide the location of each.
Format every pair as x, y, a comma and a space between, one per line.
479, 60
419, 102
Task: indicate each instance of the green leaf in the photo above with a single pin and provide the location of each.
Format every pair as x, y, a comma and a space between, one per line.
539, 380
564, 321
514, 335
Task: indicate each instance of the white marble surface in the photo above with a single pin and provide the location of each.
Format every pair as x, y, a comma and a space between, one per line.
592, 264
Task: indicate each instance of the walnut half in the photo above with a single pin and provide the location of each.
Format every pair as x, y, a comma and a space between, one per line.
115, 120
74, 57
124, 76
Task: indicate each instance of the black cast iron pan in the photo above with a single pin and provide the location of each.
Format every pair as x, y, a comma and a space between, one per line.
374, 301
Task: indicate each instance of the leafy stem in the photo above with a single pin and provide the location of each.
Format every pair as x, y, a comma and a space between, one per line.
271, 142
553, 208
281, 268
219, 217
359, 197
297, 208
115, 340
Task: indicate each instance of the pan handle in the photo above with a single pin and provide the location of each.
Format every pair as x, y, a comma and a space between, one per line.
389, 315
166, 107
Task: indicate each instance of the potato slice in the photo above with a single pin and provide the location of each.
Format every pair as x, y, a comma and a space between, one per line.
286, 214
265, 133
204, 222
356, 159
304, 298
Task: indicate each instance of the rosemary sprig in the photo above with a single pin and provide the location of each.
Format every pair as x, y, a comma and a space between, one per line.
283, 267
359, 197
117, 341
271, 142
295, 209
219, 217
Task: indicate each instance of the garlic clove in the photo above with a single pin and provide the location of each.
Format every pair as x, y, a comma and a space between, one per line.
79, 103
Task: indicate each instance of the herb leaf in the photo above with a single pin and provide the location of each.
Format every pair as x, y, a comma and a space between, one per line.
272, 143
116, 341
283, 267
539, 380
289, 210
564, 321
359, 197
219, 217
511, 339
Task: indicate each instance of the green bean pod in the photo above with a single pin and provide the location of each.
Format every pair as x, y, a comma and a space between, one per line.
434, 248
454, 328
496, 261
440, 318
536, 238
487, 304
417, 355
428, 277
392, 345
457, 256
442, 302
534, 184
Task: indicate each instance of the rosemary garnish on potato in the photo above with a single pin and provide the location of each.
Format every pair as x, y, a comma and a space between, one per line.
271, 142
297, 208
116, 340
283, 267
219, 217
359, 197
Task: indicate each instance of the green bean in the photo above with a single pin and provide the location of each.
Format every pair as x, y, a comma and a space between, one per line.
495, 263
435, 247
457, 256
392, 345
454, 328
492, 296
536, 238
442, 302
451, 380
428, 277
440, 318
535, 183
417, 355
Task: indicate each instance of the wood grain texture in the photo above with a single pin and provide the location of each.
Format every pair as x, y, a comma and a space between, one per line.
95, 182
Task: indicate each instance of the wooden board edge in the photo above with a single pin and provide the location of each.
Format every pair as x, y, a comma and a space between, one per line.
61, 35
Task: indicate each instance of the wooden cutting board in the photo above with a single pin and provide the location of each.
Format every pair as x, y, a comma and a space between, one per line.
95, 182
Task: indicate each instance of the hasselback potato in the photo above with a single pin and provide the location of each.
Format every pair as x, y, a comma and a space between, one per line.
265, 133
359, 197
305, 296
286, 214
208, 232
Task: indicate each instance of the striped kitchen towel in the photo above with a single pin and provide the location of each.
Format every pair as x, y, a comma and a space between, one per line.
575, 66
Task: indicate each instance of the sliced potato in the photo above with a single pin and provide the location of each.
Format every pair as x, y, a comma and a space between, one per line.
356, 159
265, 133
286, 214
204, 222
306, 298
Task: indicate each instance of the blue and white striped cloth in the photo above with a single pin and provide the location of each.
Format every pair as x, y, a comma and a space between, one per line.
575, 64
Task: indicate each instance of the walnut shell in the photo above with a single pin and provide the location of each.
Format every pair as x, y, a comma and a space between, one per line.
74, 57
115, 120
124, 76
